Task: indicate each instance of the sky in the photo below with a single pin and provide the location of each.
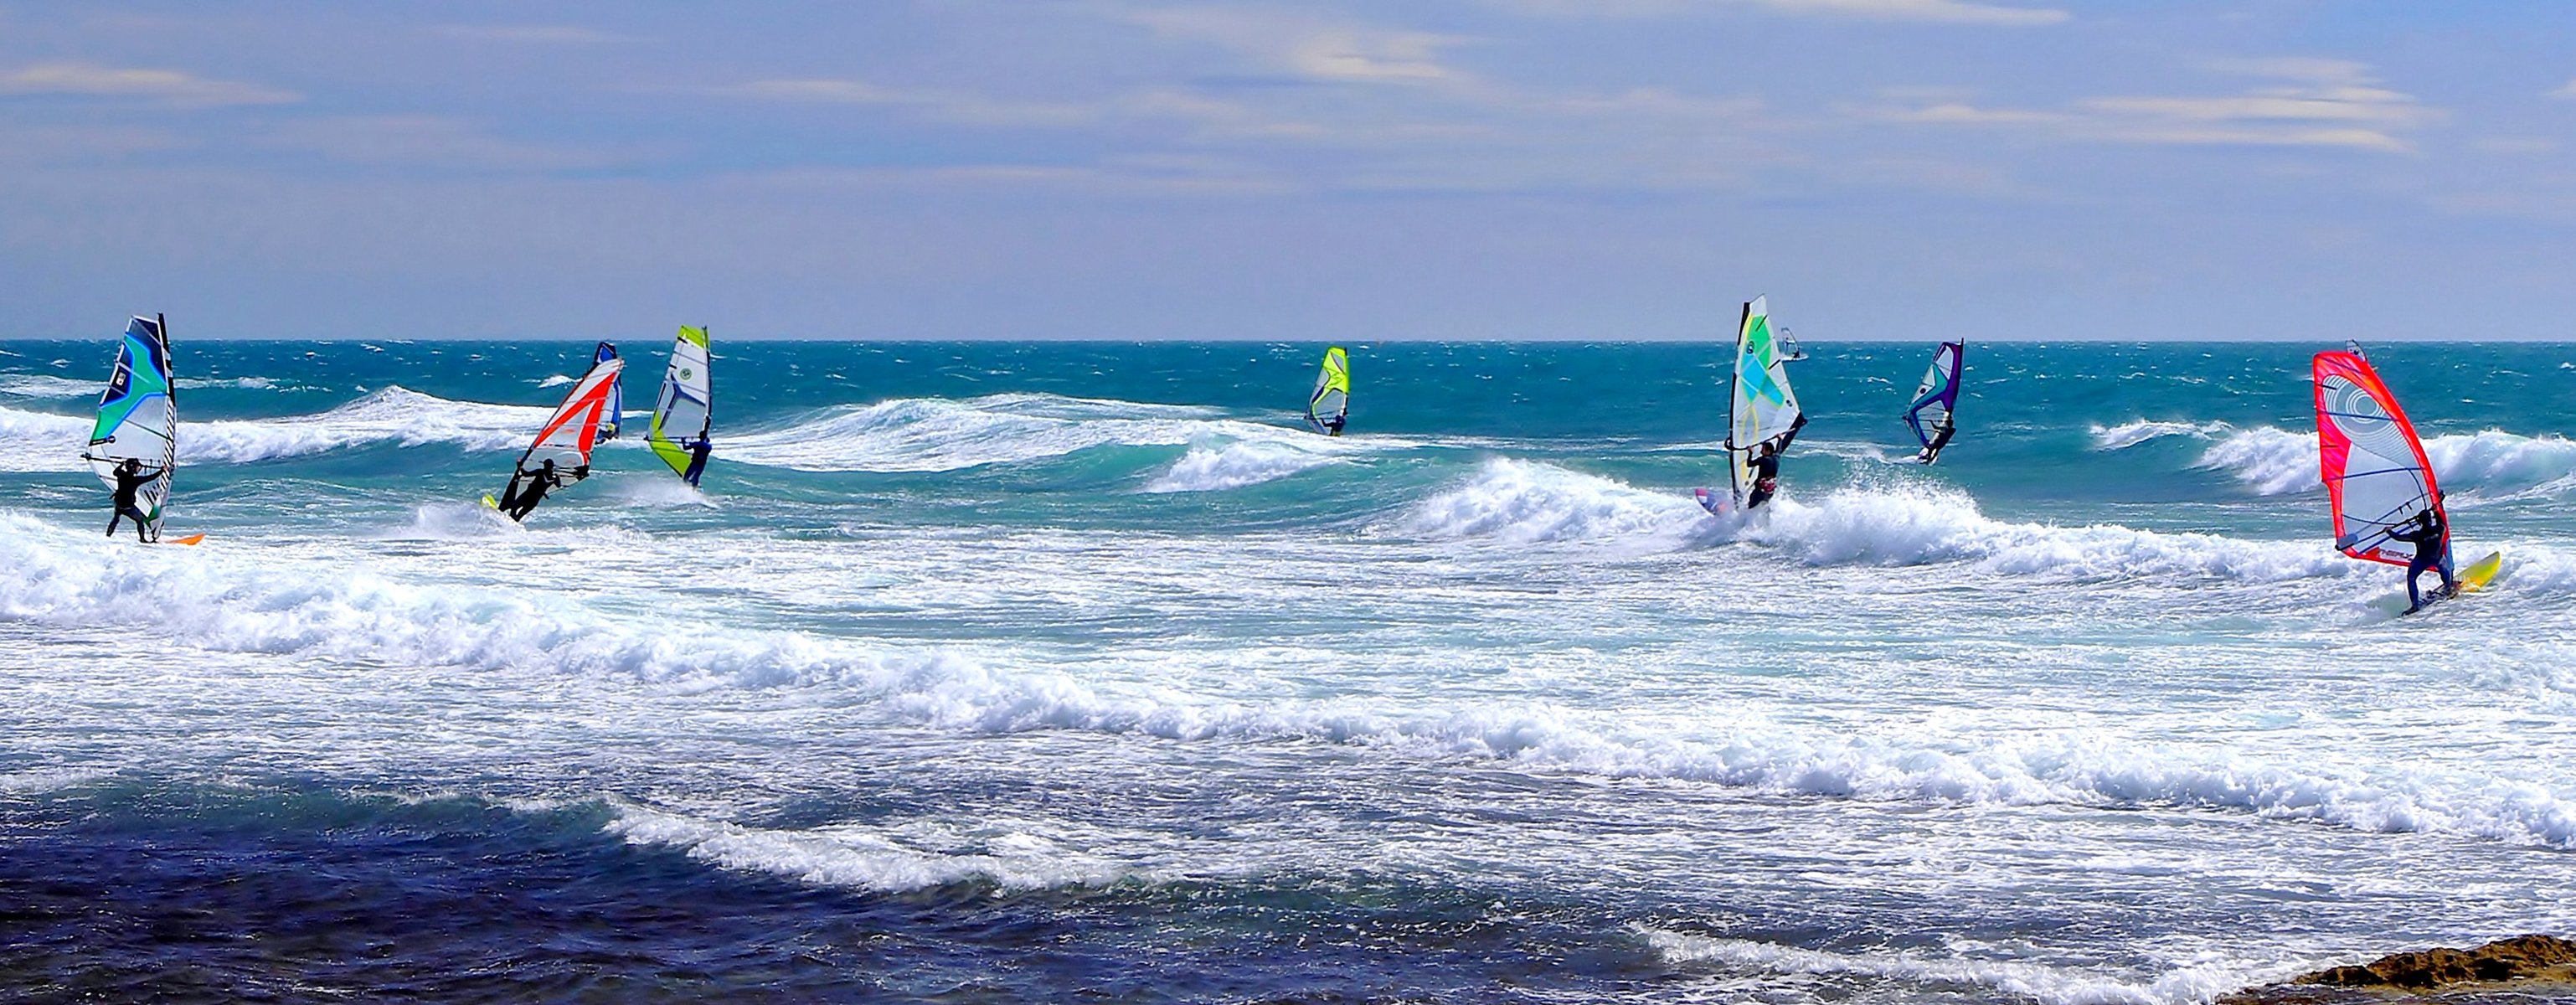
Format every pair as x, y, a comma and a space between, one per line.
1395, 169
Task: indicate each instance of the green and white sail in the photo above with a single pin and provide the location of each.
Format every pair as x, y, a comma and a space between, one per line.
1330, 406
138, 418
1762, 408
682, 413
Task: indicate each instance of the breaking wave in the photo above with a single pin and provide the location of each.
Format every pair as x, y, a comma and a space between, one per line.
229, 601
937, 434
1523, 502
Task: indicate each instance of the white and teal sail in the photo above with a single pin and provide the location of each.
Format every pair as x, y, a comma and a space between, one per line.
1762, 409
682, 413
138, 418
1330, 406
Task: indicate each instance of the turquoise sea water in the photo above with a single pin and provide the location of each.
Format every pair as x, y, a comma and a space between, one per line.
1035, 672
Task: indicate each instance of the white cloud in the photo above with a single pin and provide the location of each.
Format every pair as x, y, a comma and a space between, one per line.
531, 34
1920, 11
951, 106
2566, 91
432, 141
1311, 47
169, 87
2325, 103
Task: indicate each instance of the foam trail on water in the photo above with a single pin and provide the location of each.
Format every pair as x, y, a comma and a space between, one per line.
937, 434
1022, 857
1523, 502
1527, 502
1234, 465
2130, 434
2016, 979
230, 602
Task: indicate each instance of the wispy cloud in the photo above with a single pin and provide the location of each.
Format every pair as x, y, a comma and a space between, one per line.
1311, 47
167, 87
945, 105
2318, 102
531, 34
1920, 11
435, 142
2567, 90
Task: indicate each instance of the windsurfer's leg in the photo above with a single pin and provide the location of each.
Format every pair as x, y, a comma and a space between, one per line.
111, 522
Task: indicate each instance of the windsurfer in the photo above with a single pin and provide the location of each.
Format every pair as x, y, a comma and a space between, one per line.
2426, 532
528, 488
697, 460
131, 476
1940, 438
1766, 466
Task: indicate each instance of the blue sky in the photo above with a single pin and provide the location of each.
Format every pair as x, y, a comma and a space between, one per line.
1598, 169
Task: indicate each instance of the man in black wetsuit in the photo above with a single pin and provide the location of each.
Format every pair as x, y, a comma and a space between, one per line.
528, 488
1766, 466
131, 476
2425, 532
1940, 438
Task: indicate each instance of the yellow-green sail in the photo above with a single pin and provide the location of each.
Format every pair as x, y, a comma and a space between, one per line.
681, 413
1331, 404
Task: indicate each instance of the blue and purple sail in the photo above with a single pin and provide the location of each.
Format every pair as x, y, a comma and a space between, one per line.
1935, 402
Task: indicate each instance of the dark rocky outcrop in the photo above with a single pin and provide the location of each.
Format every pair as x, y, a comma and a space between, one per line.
2530, 967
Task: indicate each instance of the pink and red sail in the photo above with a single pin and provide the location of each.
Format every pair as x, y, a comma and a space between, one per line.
2374, 466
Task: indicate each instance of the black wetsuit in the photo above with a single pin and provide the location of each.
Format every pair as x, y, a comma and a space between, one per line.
697, 461
528, 488
127, 487
1766, 480
1766, 469
2425, 532
1940, 439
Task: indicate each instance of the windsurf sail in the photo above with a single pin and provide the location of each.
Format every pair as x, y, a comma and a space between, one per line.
138, 418
566, 440
2377, 476
1762, 409
613, 423
1330, 406
1936, 400
681, 415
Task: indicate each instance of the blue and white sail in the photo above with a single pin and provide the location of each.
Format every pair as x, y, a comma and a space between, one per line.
609, 423
138, 418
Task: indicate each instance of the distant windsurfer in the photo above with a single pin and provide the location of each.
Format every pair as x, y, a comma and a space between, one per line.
2426, 532
1332, 426
1766, 466
529, 487
609, 423
131, 476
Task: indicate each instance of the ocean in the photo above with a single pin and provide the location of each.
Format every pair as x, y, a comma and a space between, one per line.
1051, 672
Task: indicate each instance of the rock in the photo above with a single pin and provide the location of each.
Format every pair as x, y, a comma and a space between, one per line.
2538, 960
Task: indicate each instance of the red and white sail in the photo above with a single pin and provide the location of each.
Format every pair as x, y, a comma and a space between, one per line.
574, 428
2374, 466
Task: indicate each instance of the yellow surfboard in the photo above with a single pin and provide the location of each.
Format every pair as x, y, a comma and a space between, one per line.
2475, 577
